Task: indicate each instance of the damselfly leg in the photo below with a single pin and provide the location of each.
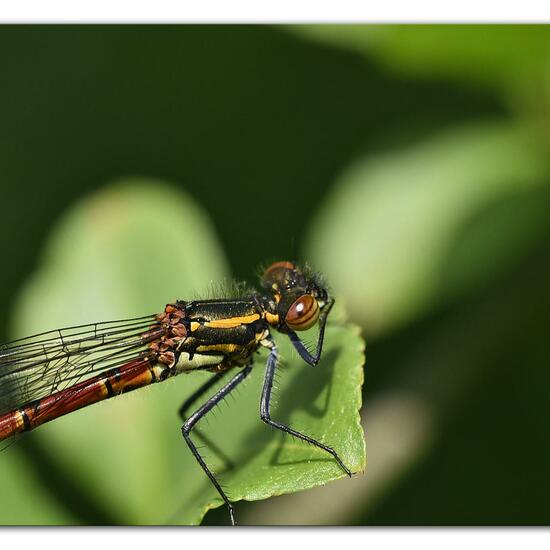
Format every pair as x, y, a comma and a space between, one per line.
193, 399
200, 413
265, 407
199, 393
312, 359
265, 403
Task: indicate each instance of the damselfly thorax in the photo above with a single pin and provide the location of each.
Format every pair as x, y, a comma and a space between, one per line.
51, 374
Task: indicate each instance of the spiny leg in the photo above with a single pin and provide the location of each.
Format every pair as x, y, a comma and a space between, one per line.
312, 359
265, 406
197, 415
200, 392
192, 399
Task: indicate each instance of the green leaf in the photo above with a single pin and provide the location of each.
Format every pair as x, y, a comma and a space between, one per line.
321, 402
128, 251
395, 222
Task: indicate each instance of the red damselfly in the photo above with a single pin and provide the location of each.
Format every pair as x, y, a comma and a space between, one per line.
51, 374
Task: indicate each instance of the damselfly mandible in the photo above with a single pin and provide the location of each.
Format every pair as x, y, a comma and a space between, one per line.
51, 374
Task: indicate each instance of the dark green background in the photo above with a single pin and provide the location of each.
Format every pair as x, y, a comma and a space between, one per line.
257, 123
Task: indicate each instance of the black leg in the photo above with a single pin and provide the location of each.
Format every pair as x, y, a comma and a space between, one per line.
192, 399
201, 391
197, 415
299, 345
265, 414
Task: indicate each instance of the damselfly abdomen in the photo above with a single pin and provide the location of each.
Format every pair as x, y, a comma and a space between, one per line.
51, 374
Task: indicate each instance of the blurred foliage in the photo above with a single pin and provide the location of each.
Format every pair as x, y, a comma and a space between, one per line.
409, 206
407, 162
495, 56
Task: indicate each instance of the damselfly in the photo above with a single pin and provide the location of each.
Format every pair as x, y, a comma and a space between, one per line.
51, 374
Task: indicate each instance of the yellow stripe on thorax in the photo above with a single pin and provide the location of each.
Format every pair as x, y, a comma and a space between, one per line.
272, 318
224, 348
232, 322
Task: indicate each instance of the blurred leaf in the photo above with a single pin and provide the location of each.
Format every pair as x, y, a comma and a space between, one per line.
493, 55
24, 500
128, 251
384, 236
482, 368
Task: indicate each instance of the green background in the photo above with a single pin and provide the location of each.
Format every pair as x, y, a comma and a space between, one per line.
408, 163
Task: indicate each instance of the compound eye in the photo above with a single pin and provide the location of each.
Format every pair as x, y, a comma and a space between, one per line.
273, 269
303, 313
276, 275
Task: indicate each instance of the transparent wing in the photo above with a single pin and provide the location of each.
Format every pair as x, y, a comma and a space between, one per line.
37, 366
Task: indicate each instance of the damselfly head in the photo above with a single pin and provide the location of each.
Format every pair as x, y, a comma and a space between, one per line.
299, 296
